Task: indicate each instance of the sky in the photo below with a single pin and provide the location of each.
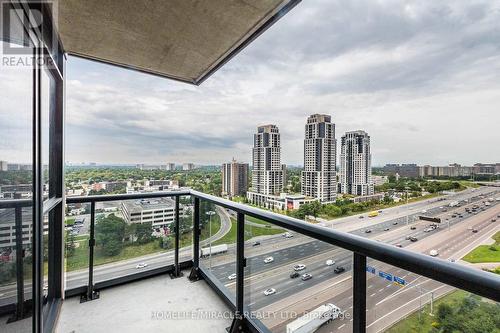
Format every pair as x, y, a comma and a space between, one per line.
421, 77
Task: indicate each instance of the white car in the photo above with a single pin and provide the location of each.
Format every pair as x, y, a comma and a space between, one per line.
299, 267
287, 235
268, 260
433, 253
141, 265
232, 276
330, 262
269, 291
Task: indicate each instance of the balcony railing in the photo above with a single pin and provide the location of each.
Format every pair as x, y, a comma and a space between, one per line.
472, 280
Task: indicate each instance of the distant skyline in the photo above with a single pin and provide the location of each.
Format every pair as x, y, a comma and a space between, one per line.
421, 78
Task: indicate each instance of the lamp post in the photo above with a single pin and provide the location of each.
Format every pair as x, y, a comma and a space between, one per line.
210, 213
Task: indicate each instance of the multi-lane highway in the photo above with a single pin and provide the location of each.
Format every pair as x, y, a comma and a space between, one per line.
313, 254
299, 296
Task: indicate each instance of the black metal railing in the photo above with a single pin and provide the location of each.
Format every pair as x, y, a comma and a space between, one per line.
458, 276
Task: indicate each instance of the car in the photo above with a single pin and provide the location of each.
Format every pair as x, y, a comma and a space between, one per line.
380, 211
413, 239
399, 245
339, 269
268, 260
294, 275
257, 243
299, 267
413, 227
361, 217
433, 253
287, 235
451, 260
408, 237
386, 229
330, 262
306, 277
269, 291
367, 231
395, 223
474, 230
493, 220
141, 265
232, 276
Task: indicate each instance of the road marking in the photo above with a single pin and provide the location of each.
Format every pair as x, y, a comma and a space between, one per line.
380, 290
341, 326
399, 308
373, 294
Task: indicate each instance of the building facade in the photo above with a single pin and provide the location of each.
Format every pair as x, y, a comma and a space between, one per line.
234, 178
187, 166
403, 170
170, 167
159, 212
267, 172
355, 164
319, 180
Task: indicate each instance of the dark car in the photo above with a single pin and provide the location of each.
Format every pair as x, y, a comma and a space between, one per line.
474, 230
413, 227
257, 243
413, 239
294, 275
339, 269
368, 231
394, 223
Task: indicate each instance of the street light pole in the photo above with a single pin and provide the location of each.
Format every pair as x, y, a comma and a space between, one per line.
210, 213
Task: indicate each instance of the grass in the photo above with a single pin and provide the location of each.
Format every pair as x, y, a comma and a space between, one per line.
70, 221
250, 231
414, 324
485, 253
381, 206
255, 220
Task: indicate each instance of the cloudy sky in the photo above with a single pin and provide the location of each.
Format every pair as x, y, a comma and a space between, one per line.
421, 77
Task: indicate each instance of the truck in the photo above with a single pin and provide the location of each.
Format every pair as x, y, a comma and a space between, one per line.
453, 203
314, 319
216, 249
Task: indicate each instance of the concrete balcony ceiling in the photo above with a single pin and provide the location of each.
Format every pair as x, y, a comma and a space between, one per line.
186, 40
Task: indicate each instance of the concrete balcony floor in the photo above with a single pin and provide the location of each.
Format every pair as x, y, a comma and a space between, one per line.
144, 306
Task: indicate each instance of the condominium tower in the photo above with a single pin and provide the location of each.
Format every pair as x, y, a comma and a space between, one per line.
267, 172
355, 164
234, 178
319, 175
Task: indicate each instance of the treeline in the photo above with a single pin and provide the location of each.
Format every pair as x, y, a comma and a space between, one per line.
341, 207
417, 186
205, 180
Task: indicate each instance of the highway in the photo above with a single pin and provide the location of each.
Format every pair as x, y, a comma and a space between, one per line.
297, 295
290, 292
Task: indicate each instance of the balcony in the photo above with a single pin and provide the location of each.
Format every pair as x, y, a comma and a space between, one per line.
213, 264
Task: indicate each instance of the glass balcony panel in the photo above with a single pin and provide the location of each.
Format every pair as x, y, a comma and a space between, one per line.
218, 243
76, 242
133, 236
292, 280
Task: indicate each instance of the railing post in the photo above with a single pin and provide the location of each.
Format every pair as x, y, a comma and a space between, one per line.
194, 275
177, 272
91, 293
239, 322
359, 293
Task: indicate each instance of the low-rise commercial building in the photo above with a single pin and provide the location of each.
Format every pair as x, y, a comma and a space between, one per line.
159, 212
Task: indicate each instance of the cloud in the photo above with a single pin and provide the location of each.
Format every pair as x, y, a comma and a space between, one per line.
421, 77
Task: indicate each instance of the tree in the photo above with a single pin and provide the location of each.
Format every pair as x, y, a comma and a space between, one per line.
143, 233
110, 232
